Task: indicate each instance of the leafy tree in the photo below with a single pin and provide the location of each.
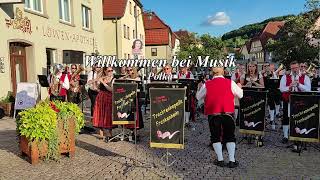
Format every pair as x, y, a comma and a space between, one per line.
293, 41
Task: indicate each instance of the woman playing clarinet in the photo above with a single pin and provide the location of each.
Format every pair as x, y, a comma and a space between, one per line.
252, 78
102, 116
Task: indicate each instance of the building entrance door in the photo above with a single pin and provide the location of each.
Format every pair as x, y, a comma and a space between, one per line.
18, 64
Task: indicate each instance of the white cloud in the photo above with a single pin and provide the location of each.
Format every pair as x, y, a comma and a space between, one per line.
219, 19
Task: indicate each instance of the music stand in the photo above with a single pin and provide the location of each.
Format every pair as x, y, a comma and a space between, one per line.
272, 83
301, 144
118, 76
83, 79
43, 80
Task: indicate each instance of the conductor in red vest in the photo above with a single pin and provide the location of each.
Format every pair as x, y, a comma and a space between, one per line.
218, 95
293, 82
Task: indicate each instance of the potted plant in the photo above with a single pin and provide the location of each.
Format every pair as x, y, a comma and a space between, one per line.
48, 130
6, 104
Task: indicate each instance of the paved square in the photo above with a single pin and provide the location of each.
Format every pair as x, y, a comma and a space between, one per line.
96, 159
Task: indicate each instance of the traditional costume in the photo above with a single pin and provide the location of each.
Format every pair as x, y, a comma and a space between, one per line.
102, 116
303, 85
218, 102
57, 90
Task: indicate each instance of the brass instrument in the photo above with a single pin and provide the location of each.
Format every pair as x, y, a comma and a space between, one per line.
310, 69
75, 86
280, 68
55, 87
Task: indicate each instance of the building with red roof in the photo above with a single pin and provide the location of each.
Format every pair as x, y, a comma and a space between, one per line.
123, 24
161, 42
255, 49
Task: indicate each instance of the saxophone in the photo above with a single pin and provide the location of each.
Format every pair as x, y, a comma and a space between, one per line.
55, 88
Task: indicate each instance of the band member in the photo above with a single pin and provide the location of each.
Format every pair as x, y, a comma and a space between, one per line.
185, 74
190, 104
293, 82
132, 74
238, 73
67, 72
303, 68
221, 101
236, 76
274, 95
252, 78
59, 84
123, 71
102, 116
74, 91
93, 88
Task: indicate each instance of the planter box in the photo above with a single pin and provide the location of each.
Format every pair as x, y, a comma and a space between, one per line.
7, 107
66, 144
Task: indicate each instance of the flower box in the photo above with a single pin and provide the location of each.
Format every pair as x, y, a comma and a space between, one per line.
66, 142
7, 107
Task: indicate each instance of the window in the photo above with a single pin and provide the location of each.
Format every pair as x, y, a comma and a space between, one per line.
128, 31
134, 34
128, 56
135, 10
124, 31
125, 56
34, 5
86, 17
64, 10
130, 7
153, 51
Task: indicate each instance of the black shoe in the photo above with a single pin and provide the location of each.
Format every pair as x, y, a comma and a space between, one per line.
284, 141
219, 163
233, 164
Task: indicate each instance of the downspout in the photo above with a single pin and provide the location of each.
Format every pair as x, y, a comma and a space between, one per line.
117, 48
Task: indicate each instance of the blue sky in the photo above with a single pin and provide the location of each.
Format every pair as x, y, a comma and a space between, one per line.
219, 16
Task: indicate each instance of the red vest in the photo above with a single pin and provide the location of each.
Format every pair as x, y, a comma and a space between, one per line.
188, 75
286, 95
63, 91
219, 98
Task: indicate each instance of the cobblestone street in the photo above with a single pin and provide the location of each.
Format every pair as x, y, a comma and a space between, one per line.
96, 159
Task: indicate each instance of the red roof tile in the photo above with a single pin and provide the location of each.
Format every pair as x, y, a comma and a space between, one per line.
270, 31
157, 36
157, 32
116, 8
